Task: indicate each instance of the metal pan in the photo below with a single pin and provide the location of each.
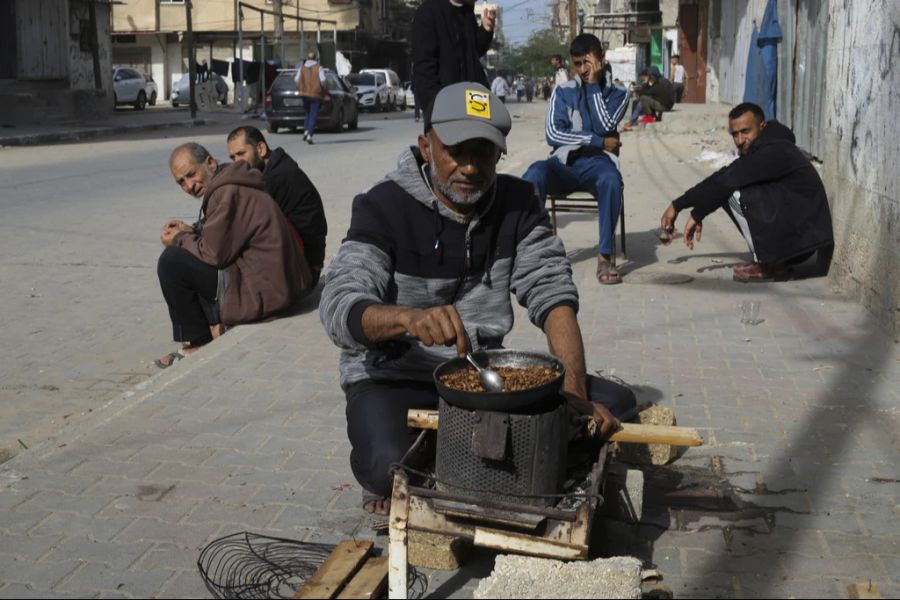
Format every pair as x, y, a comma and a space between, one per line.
502, 401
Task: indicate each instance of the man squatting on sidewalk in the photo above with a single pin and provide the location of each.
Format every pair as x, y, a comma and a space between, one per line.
434, 251
773, 194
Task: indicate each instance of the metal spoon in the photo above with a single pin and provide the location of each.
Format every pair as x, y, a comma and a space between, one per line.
490, 380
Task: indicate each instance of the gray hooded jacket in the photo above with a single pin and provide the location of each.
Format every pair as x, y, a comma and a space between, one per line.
404, 247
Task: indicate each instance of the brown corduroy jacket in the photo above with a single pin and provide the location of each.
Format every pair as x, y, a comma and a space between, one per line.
246, 235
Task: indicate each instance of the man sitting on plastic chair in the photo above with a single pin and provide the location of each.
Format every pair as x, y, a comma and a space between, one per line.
581, 127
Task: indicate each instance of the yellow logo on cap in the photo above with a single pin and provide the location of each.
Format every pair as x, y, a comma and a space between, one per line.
478, 104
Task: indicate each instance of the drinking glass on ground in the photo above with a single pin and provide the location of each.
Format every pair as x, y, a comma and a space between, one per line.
750, 312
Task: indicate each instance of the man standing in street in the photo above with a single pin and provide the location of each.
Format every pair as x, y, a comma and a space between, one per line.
581, 129
239, 263
678, 77
310, 83
773, 194
447, 46
560, 74
435, 251
291, 189
500, 88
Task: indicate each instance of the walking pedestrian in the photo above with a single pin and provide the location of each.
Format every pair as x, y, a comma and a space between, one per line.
500, 88
310, 83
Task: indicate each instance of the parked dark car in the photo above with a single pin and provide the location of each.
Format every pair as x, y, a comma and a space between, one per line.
284, 106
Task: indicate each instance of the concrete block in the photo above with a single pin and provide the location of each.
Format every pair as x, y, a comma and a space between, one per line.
652, 454
435, 551
529, 577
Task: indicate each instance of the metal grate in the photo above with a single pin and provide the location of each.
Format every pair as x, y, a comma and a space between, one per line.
534, 465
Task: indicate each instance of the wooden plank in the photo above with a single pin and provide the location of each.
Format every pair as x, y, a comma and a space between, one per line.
370, 581
863, 590
343, 562
398, 545
527, 544
630, 432
657, 434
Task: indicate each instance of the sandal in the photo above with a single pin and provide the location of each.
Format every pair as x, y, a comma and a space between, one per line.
607, 274
173, 357
761, 273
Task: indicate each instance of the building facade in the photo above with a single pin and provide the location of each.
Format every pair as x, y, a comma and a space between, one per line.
149, 35
55, 60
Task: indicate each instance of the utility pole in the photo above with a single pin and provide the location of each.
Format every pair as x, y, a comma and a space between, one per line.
279, 27
192, 63
573, 20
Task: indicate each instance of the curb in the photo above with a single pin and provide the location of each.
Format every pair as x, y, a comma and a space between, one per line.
98, 132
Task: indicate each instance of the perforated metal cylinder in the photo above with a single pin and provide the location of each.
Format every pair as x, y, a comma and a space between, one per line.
534, 465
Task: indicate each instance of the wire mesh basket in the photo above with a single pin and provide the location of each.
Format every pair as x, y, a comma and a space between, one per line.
248, 565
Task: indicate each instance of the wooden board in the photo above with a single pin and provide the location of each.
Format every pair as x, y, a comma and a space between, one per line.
508, 541
369, 581
343, 562
863, 590
630, 432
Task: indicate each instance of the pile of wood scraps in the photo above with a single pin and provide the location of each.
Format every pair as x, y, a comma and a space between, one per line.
350, 571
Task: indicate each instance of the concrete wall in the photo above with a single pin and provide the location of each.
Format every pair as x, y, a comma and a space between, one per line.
135, 15
861, 105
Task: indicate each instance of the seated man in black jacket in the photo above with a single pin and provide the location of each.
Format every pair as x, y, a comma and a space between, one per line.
290, 187
654, 96
772, 192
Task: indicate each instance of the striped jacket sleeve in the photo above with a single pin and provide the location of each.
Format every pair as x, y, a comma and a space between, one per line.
559, 128
607, 111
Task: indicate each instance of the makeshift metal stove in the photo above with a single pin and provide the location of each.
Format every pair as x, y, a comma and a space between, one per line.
504, 477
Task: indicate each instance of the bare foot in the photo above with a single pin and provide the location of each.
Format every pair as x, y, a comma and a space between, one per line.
216, 330
378, 507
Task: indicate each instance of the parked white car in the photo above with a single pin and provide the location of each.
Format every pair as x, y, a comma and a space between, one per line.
150, 90
129, 87
397, 99
372, 91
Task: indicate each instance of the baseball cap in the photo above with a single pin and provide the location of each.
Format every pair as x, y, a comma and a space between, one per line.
467, 110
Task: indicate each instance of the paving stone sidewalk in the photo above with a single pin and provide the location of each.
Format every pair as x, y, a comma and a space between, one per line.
794, 494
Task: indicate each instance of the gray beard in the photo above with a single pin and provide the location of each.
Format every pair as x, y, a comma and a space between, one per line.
460, 199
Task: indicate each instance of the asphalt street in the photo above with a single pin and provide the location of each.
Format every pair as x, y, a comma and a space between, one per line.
82, 315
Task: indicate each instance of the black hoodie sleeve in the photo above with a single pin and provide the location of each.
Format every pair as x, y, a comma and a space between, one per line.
768, 162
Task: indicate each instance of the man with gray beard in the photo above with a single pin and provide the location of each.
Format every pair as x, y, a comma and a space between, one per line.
434, 251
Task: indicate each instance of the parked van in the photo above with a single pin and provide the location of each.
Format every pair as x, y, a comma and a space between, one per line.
397, 99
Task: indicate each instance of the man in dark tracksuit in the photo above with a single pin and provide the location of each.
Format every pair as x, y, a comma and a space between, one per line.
447, 45
290, 187
434, 251
773, 194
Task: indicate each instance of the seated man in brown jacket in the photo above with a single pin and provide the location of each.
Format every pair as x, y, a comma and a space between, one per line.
238, 264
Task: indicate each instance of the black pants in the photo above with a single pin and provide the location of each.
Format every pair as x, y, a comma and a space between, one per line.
376, 422
189, 286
